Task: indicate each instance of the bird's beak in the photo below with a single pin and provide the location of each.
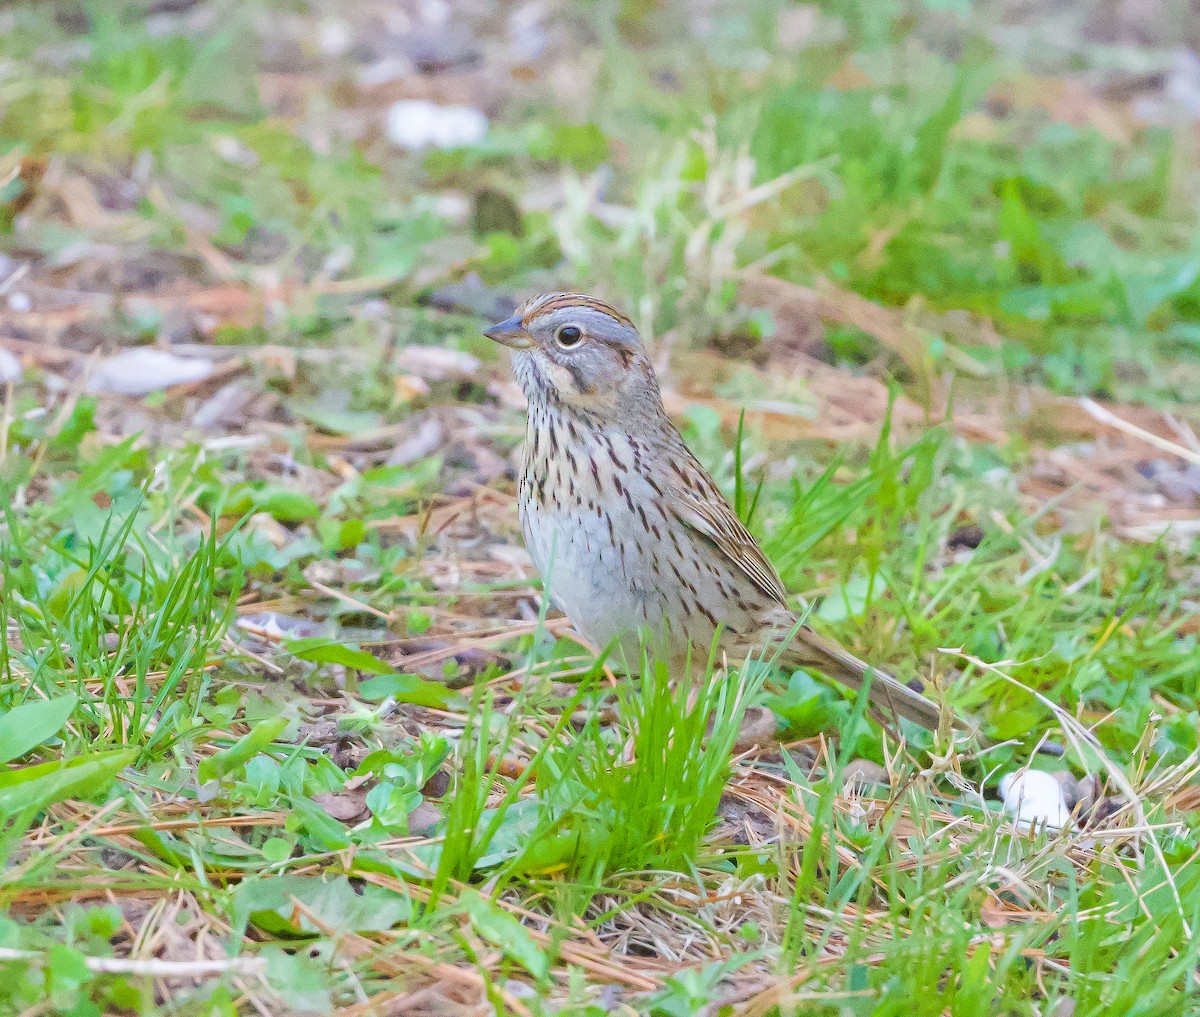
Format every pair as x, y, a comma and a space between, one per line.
511, 333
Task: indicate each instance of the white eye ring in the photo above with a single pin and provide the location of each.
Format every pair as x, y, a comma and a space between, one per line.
568, 336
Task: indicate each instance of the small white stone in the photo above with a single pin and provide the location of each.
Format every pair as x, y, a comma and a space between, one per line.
415, 124
455, 207
334, 38
144, 370
10, 367
1033, 797
19, 301
435, 12
233, 151
1183, 82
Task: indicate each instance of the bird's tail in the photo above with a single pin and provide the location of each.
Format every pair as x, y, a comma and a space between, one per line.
887, 694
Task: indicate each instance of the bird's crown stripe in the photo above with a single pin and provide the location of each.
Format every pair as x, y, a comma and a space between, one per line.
557, 301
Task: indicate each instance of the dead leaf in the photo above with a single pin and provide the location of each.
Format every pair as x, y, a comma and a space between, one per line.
421, 443
409, 387
860, 773
436, 363
143, 370
276, 627
344, 806
423, 819
757, 730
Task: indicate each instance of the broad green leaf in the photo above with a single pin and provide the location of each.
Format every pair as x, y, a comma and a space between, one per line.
286, 505
341, 534
277, 849
243, 750
806, 706
502, 930
30, 724
67, 968
584, 146
269, 902
851, 598
322, 651
930, 137
301, 982
35, 787
80, 423
318, 827
391, 805
407, 688
279, 502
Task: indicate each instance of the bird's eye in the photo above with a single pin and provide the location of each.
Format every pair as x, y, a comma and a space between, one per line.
568, 336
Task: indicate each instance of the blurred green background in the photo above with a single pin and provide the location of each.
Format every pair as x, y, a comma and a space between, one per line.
1020, 179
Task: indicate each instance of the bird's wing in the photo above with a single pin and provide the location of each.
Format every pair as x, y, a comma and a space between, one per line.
714, 520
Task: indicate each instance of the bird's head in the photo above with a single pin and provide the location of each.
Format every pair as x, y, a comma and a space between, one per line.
579, 352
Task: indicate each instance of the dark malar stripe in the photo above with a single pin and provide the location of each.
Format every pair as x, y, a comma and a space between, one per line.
581, 385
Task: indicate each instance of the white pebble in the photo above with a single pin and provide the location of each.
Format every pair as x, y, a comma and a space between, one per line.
415, 124
10, 367
1033, 797
334, 38
233, 151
